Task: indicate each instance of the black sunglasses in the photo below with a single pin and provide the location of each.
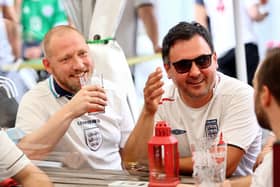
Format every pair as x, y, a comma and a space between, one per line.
184, 66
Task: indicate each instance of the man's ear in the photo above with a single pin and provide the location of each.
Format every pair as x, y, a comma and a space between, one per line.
265, 96
46, 64
215, 60
167, 69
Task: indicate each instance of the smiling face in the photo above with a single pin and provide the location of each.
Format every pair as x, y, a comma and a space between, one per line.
195, 86
68, 59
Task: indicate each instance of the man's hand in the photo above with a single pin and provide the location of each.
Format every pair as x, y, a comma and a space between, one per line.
266, 149
89, 98
153, 91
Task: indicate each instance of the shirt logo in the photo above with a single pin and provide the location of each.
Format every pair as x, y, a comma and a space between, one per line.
211, 128
93, 138
92, 133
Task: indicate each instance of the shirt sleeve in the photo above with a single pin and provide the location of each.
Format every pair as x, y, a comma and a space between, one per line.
31, 114
12, 159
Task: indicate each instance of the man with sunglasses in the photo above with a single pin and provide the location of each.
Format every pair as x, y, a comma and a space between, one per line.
201, 101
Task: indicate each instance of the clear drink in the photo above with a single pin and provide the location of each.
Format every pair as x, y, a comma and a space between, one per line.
96, 79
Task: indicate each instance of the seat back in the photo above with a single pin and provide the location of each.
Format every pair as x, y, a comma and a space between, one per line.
8, 103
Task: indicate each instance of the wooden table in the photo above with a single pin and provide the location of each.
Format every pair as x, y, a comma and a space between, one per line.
63, 177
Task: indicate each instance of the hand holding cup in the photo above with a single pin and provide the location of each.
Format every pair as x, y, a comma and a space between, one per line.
97, 102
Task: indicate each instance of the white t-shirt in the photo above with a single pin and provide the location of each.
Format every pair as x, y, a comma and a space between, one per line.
222, 23
263, 175
95, 138
231, 110
12, 159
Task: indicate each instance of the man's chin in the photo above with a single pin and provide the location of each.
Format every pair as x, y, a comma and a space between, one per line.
74, 88
198, 93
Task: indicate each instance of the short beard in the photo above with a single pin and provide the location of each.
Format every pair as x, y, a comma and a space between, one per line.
262, 118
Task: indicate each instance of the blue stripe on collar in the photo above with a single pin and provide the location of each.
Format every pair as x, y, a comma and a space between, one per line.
57, 91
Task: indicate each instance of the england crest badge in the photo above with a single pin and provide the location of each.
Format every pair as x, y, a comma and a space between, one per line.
211, 128
93, 138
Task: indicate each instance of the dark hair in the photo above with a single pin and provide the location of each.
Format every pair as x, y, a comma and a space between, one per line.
269, 73
184, 31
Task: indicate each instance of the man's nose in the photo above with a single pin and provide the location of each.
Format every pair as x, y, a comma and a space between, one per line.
78, 63
194, 71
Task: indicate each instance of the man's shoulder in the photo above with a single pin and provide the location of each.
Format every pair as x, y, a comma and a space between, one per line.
40, 90
229, 85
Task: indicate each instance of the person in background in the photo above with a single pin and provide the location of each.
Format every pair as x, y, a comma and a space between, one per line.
10, 45
11, 15
13, 163
137, 12
221, 17
37, 18
126, 33
54, 114
8, 20
201, 101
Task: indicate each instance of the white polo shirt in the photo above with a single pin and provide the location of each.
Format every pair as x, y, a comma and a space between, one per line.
97, 139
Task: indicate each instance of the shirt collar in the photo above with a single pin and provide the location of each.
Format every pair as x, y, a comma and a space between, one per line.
57, 91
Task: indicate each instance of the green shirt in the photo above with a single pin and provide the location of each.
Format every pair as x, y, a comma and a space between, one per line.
39, 16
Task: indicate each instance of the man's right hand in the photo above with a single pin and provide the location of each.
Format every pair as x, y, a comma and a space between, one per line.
89, 98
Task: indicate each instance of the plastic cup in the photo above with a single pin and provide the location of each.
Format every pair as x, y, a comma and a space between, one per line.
218, 154
96, 79
209, 161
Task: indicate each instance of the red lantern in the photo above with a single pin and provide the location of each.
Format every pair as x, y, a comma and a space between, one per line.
163, 157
